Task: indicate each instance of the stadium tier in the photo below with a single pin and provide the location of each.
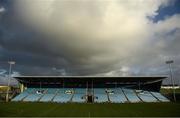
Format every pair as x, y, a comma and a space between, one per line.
117, 96
90, 89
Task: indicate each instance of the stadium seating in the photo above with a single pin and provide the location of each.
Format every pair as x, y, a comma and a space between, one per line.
51, 92
100, 95
117, 96
63, 95
114, 95
131, 95
34, 94
20, 96
32, 97
147, 96
30, 90
79, 95
47, 98
160, 97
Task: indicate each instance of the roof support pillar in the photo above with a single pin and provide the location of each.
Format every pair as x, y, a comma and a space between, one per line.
21, 87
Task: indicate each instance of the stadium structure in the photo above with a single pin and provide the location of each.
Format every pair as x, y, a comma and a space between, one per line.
90, 89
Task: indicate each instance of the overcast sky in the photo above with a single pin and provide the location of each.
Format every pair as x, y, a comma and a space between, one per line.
90, 37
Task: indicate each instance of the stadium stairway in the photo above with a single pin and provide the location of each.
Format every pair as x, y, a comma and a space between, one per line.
64, 95
160, 97
107, 95
55, 95
100, 95
128, 101
146, 96
49, 95
20, 97
131, 96
72, 95
116, 95
34, 95
135, 91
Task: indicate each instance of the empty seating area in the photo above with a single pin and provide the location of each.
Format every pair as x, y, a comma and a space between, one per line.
47, 97
160, 97
20, 96
131, 95
79, 95
146, 96
100, 95
117, 96
63, 95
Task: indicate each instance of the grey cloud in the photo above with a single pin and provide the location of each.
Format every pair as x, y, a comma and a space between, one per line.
88, 38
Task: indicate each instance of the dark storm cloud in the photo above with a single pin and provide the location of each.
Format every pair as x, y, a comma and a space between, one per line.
31, 48
88, 37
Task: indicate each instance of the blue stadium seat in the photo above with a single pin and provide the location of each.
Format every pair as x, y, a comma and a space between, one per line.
50, 94
32, 97
160, 97
117, 96
79, 95
30, 90
147, 96
20, 96
114, 95
34, 94
100, 95
131, 95
62, 96
47, 97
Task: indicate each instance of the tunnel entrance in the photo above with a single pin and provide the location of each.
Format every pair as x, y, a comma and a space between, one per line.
90, 99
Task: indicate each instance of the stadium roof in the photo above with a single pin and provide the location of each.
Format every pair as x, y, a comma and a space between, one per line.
163, 76
89, 78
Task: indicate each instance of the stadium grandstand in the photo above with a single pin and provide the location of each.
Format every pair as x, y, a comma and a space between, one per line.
89, 89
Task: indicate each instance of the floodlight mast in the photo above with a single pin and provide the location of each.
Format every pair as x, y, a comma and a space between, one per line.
9, 77
169, 62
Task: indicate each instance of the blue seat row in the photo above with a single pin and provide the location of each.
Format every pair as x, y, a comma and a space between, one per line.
131, 95
47, 98
33, 97
117, 96
52, 90
100, 95
160, 97
62, 98
147, 96
21, 96
79, 95
64, 95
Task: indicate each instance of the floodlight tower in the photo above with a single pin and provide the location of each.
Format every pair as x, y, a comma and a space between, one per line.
169, 62
9, 77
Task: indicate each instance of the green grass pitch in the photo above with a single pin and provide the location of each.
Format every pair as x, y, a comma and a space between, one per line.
89, 110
